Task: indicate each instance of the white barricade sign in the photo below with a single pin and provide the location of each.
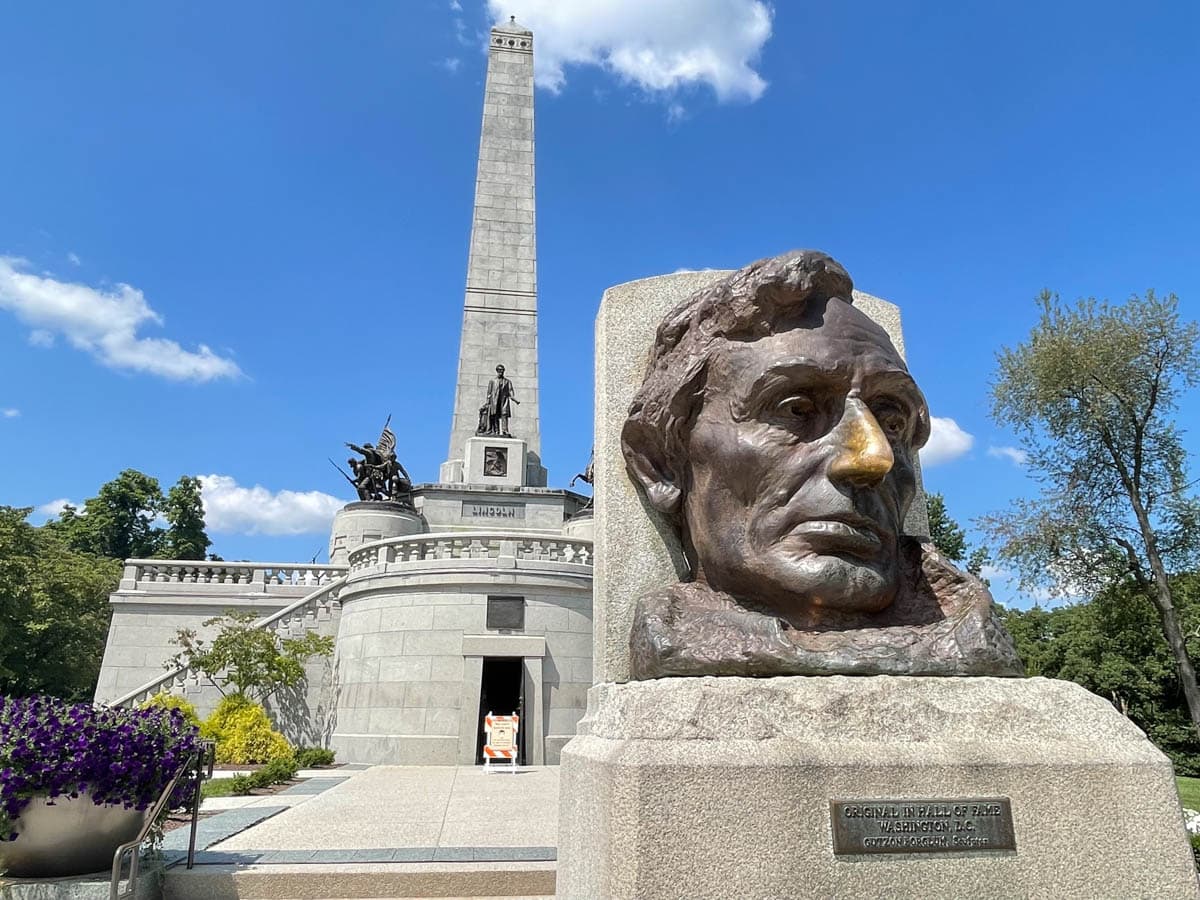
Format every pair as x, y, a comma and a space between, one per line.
501, 739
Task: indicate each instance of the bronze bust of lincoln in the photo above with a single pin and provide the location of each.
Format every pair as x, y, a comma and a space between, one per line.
777, 428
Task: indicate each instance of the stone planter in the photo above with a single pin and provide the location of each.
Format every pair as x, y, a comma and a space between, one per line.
67, 837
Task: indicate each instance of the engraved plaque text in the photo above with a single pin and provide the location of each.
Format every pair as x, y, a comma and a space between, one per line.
472, 509
922, 826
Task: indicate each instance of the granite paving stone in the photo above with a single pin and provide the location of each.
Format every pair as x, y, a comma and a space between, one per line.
414, 808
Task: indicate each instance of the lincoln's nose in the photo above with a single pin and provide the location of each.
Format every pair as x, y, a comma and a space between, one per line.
864, 456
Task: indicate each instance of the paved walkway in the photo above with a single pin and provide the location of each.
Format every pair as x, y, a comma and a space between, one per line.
291, 796
421, 812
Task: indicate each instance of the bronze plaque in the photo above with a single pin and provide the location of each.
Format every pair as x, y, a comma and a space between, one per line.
922, 826
495, 461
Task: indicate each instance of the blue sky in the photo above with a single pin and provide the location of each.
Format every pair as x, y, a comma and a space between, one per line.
282, 194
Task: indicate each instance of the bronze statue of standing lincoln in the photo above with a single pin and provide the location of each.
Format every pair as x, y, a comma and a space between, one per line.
778, 428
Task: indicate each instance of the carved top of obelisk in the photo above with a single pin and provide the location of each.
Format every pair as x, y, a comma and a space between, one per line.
512, 26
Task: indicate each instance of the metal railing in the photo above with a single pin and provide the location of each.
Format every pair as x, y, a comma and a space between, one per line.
302, 615
194, 767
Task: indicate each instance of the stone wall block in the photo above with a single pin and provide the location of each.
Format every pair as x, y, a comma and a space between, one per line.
432, 642
442, 694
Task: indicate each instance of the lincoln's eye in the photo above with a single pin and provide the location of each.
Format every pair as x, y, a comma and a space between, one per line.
797, 407
891, 418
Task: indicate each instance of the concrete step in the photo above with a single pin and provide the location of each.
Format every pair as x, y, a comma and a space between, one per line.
360, 881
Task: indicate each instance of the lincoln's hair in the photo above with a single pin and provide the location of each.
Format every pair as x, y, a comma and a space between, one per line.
749, 304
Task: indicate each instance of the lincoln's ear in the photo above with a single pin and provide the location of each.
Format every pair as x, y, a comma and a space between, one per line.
646, 462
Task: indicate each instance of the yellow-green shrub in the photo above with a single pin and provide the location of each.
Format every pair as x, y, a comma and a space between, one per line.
243, 733
173, 701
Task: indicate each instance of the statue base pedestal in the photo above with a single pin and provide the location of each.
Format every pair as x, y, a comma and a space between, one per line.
725, 787
492, 459
360, 523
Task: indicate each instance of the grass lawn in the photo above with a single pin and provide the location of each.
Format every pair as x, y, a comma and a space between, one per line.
223, 787
1189, 792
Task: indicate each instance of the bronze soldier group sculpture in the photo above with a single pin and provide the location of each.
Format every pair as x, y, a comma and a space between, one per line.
379, 474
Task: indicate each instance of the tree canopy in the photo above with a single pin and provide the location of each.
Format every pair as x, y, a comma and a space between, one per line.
950, 538
185, 537
123, 520
55, 579
54, 610
1091, 395
1113, 646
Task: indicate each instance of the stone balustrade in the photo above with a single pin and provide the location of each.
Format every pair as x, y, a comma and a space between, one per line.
306, 614
435, 550
173, 575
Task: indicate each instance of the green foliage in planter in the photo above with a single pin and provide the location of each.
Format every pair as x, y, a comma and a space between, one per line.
308, 757
173, 701
278, 770
243, 733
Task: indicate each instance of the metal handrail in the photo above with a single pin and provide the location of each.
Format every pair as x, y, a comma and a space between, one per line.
292, 608
209, 749
192, 765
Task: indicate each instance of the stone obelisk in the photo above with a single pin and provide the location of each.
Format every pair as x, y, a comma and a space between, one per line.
500, 310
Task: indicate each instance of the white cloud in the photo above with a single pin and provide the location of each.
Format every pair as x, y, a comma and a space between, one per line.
10, 413
451, 64
456, 6
460, 27
73, 259
996, 573
658, 45
104, 323
230, 507
54, 507
947, 441
1015, 455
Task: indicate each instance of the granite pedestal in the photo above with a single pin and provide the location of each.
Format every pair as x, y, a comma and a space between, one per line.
722, 787
370, 520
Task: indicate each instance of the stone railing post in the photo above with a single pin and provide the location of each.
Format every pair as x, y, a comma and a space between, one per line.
128, 578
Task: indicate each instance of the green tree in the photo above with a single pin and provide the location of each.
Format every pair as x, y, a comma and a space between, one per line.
950, 538
54, 610
185, 537
947, 535
1112, 646
119, 522
1090, 394
253, 661
123, 520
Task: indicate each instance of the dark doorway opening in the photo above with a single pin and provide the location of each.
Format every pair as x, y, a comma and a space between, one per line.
502, 692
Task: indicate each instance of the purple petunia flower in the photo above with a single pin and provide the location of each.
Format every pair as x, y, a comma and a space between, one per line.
117, 756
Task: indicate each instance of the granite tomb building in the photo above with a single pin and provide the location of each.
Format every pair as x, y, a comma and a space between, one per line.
475, 594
